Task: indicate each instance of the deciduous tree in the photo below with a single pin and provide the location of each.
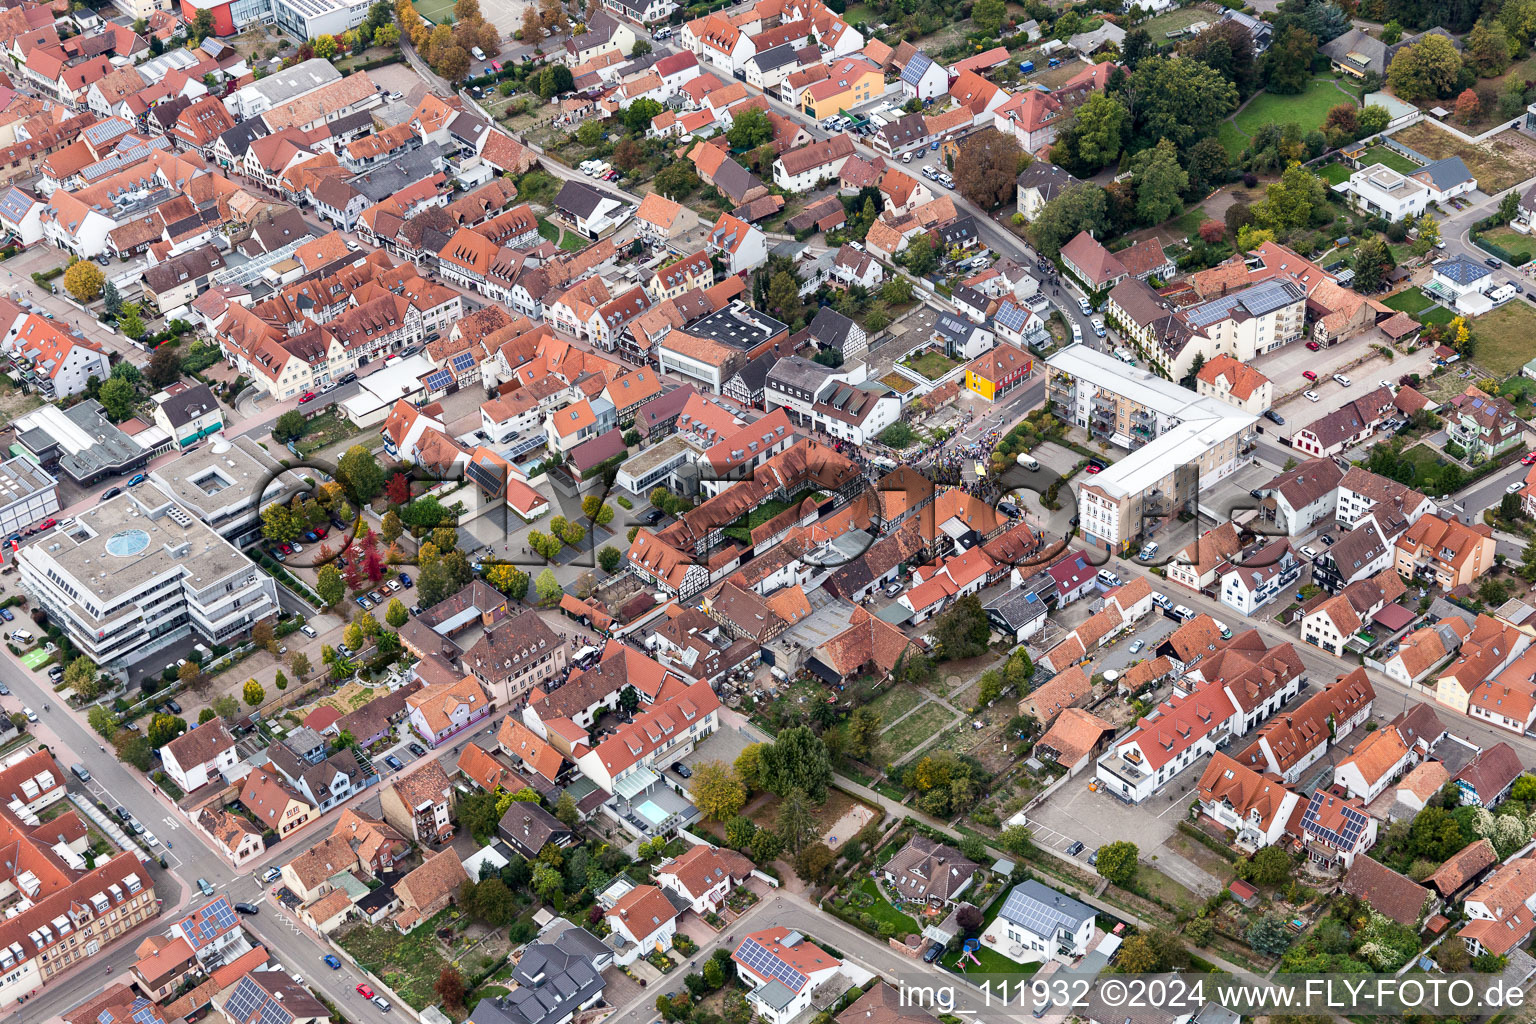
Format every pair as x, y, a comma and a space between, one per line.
1159, 180
988, 167
1287, 66
717, 790
1427, 69
84, 280
1488, 49
1117, 862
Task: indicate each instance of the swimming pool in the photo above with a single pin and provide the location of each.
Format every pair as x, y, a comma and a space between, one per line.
651, 813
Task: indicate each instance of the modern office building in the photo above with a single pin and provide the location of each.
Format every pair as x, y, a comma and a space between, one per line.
224, 483
127, 578
1178, 442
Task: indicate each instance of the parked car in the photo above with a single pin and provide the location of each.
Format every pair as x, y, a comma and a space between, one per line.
1515, 487
1309, 375
394, 762
364, 604
247, 908
1493, 261
1313, 346
1075, 849
1135, 646
56, 673
893, 588
682, 769
381, 1003
5, 613
271, 874
935, 950
1274, 417
1342, 380
205, 887
1311, 396
175, 707
365, 990
48, 524
417, 749
406, 580
31, 715
308, 396
1308, 551
110, 493
308, 631
121, 812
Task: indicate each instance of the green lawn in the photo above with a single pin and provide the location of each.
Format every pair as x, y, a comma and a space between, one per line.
1335, 174
568, 240
896, 701
922, 725
438, 12
992, 962
409, 964
1188, 222
859, 14
1504, 338
1306, 109
1510, 240
1159, 27
1412, 301
931, 364
1427, 466
1389, 157
882, 911
1438, 315
1231, 139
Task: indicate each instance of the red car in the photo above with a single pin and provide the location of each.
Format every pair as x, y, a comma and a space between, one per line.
1309, 375
1091, 469
495, 65
1313, 346
1528, 460
47, 524
306, 396
365, 991
285, 549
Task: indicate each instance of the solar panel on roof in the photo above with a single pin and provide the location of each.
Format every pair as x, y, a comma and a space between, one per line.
463, 361
247, 996
768, 965
439, 380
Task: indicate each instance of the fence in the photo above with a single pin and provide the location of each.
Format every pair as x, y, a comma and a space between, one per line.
1398, 147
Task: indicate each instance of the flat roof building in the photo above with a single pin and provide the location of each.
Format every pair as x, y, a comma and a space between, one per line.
1179, 441
225, 483
125, 580
81, 441
28, 494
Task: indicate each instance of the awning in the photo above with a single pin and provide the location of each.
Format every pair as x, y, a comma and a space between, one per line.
633, 785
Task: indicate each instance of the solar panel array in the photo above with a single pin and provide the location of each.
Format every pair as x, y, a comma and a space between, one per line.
216, 918
463, 361
1354, 825
243, 1002
439, 380
768, 965
144, 1011
1036, 915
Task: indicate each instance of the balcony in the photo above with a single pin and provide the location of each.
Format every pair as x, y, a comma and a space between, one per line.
1106, 404
1143, 416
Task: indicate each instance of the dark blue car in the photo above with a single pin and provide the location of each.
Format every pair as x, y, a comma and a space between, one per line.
5, 613
405, 580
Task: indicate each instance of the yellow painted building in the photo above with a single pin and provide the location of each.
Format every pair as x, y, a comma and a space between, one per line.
853, 80
996, 373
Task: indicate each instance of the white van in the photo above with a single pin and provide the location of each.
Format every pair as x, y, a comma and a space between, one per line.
21, 636
1028, 461
1108, 579
479, 53
1184, 613
1148, 550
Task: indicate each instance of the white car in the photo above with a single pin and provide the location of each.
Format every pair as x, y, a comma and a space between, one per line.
1515, 487
308, 631
1136, 645
31, 715
1311, 396
1098, 326
1309, 551
479, 53
1343, 380
1082, 304
1384, 384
